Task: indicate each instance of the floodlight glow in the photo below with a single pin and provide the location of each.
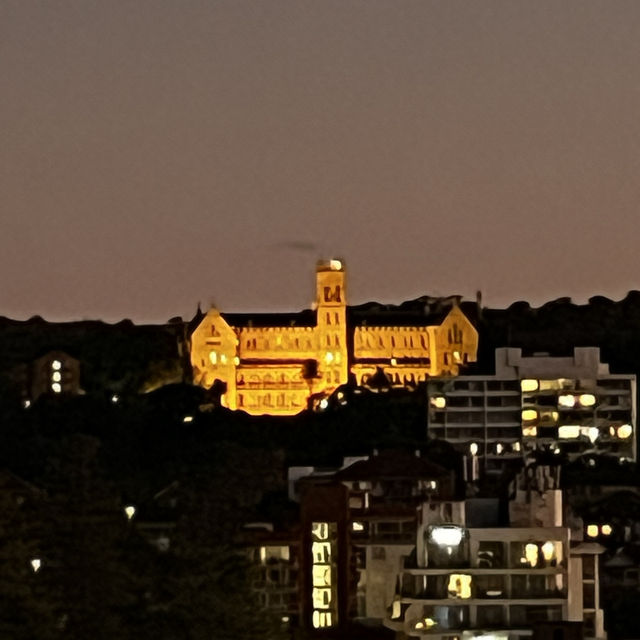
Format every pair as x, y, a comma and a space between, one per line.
446, 536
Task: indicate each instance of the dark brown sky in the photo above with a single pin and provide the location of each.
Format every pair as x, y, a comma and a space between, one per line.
154, 153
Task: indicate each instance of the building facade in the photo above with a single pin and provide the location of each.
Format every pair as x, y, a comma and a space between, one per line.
565, 405
274, 363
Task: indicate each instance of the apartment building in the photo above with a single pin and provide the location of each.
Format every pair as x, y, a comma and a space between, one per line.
570, 405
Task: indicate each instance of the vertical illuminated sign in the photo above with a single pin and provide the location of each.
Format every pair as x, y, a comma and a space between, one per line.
323, 571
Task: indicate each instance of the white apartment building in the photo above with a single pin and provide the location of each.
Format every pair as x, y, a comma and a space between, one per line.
570, 405
464, 582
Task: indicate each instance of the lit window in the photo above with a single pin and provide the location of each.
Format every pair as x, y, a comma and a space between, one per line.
531, 554
56, 365
114, 398
624, 431
328, 357
606, 529
236, 361
357, 526
456, 357
56, 387
516, 446
592, 433
427, 623
473, 448
548, 551
187, 419
529, 414
499, 448
459, 586
529, 431
324, 403
213, 357
321, 575
56, 376
321, 619
335, 265
529, 385
592, 530
439, 402
569, 431
587, 400
567, 401
394, 362
130, 511
36, 564
223, 358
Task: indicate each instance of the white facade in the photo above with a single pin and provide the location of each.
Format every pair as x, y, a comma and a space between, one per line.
573, 405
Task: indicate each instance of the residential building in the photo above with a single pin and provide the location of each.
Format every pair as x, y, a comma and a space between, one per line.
567, 405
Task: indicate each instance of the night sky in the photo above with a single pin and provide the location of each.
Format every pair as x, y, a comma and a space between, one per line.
157, 153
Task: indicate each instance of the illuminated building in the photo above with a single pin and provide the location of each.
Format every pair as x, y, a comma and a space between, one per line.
274, 363
471, 579
564, 405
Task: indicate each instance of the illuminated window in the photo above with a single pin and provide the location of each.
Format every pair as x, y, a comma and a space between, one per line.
328, 357
606, 529
439, 402
516, 446
56, 376
567, 401
473, 448
446, 536
324, 594
223, 358
529, 385
587, 400
531, 554
529, 414
456, 357
459, 586
56, 365
213, 357
592, 530
427, 623
499, 448
357, 526
56, 387
548, 551
236, 361
624, 431
569, 431
529, 431
322, 619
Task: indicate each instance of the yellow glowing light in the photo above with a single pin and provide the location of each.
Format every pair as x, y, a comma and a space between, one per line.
587, 400
473, 448
394, 362
566, 400
56, 376
130, 511
548, 550
592, 530
606, 529
56, 387
439, 402
396, 610
336, 265
531, 554
36, 564
223, 359
529, 414
236, 361
529, 431
357, 526
516, 446
456, 357
624, 431
459, 586
568, 431
187, 419
213, 357
499, 448
529, 385
322, 619
56, 365
114, 398
321, 575
27, 404
593, 433
328, 357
